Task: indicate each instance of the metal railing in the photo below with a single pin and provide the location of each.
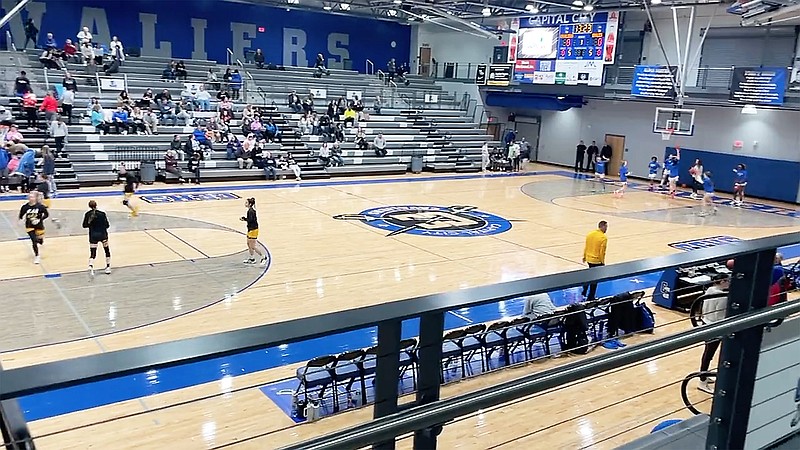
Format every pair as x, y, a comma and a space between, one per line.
369, 67
229, 56
750, 281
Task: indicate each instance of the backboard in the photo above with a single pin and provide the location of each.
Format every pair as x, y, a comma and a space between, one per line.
680, 121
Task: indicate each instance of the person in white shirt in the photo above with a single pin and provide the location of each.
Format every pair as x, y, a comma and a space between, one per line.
84, 36
325, 154
538, 305
58, 131
379, 145
697, 178
485, 156
67, 101
715, 306
203, 99
116, 48
513, 156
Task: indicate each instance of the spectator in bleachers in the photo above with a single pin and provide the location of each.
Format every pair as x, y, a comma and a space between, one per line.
361, 139
189, 98
112, 67
336, 154
201, 137
248, 112
120, 120
50, 42
341, 106
325, 125
225, 116
225, 104
88, 55
349, 117
70, 51
305, 125
13, 135
180, 71
391, 68
171, 165
117, 50
49, 168
379, 145
203, 99
29, 106
150, 121
147, 99
22, 84
31, 33
314, 122
5, 158
258, 58
338, 132
244, 155
50, 60
166, 111
331, 111
84, 36
99, 53
5, 118
270, 165
294, 102
27, 163
272, 132
176, 145
163, 95
191, 147
254, 126
182, 113
485, 156
194, 166
236, 83
124, 100
308, 104
98, 120
324, 154
169, 72
59, 132
290, 162
226, 78
233, 148
50, 107
358, 107
320, 68
137, 124
69, 83
211, 79
538, 305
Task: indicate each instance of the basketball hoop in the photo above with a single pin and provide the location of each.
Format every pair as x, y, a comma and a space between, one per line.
667, 134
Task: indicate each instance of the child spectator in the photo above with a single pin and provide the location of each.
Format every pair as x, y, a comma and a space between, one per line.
29, 105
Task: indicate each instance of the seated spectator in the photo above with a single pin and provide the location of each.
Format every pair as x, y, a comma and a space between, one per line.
137, 124
244, 155
319, 65
377, 105
290, 162
324, 154
308, 104
338, 133
294, 102
124, 101
50, 43
180, 71
361, 139
226, 103
194, 166
336, 154
150, 122
223, 95
324, 125
112, 67
538, 305
331, 111
349, 117
379, 145
5, 119
70, 52
84, 36
248, 112
203, 99
13, 135
169, 72
182, 113
236, 83
211, 79
171, 165
314, 122
88, 55
234, 147
341, 106
215, 131
270, 165
176, 145
50, 60
120, 120
163, 95
98, 120
258, 58
256, 128
225, 116
273, 133
305, 125
189, 98
5, 158
50, 108
192, 147
199, 134
22, 85
166, 111
69, 83
147, 99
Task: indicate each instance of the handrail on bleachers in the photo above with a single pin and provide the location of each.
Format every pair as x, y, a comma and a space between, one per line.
749, 286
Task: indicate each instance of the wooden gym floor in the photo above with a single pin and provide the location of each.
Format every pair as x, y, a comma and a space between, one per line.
178, 273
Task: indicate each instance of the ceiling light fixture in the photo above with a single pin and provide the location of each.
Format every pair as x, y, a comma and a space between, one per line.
293, 2
397, 2
588, 8
577, 3
533, 9
655, 2
486, 12
392, 12
327, 7
344, 6
749, 109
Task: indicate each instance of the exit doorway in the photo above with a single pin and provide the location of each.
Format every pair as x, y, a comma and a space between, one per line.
425, 61
617, 143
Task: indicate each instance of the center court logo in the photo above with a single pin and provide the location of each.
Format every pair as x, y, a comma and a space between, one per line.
438, 221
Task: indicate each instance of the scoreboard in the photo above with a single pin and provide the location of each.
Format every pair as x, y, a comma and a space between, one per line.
566, 49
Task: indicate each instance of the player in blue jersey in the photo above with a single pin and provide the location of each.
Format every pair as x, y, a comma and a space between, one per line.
600, 170
623, 179
672, 166
739, 183
652, 171
707, 206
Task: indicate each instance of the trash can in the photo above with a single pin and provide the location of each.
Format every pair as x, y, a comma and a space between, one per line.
416, 164
147, 172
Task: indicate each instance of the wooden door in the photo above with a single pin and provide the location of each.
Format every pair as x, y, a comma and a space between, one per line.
424, 61
493, 129
617, 144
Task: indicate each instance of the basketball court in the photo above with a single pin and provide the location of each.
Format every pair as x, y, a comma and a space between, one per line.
333, 245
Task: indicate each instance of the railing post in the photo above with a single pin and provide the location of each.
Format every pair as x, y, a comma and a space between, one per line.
738, 360
387, 371
97, 79
431, 329
46, 80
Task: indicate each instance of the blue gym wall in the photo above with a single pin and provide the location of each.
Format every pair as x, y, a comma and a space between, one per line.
203, 29
766, 178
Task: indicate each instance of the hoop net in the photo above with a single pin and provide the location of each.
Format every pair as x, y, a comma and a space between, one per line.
667, 134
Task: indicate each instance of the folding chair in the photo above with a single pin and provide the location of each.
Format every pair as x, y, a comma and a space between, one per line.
317, 373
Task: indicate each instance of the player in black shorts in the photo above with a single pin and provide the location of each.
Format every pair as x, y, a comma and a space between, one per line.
96, 222
131, 184
34, 214
252, 233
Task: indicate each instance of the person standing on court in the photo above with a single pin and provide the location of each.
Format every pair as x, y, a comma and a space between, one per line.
580, 152
607, 152
594, 254
591, 153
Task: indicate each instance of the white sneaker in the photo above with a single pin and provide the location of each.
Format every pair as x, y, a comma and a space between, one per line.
36, 260
108, 270
91, 271
249, 261
263, 262
705, 387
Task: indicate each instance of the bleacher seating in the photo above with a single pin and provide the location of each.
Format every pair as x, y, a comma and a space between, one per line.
446, 139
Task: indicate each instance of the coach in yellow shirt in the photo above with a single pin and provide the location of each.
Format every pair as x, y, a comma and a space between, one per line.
594, 254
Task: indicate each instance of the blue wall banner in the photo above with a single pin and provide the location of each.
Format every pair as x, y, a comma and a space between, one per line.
654, 81
758, 85
203, 29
